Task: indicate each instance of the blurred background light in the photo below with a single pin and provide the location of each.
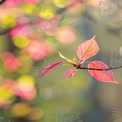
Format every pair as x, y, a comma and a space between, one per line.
20, 110
66, 35
26, 88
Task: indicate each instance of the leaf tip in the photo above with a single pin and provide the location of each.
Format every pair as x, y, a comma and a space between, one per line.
94, 37
116, 82
61, 55
59, 52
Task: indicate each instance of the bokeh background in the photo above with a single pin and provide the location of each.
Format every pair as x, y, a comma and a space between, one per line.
31, 34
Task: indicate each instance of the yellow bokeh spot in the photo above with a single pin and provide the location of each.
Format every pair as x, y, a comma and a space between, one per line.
29, 9
8, 21
20, 110
61, 3
20, 42
35, 114
5, 94
26, 78
46, 12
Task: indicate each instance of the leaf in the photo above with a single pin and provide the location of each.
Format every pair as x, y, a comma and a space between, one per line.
87, 49
67, 59
45, 70
70, 73
104, 76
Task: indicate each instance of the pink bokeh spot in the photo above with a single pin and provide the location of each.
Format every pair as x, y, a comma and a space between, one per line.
21, 30
46, 25
22, 20
75, 6
39, 50
10, 62
26, 90
28, 93
7, 90
12, 3
11, 86
66, 35
31, 1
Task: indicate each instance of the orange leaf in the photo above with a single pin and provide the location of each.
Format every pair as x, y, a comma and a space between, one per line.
101, 75
87, 49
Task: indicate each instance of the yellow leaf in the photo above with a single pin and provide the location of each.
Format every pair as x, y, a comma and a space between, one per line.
67, 59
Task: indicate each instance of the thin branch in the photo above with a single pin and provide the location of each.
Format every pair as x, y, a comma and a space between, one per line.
99, 69
1, 1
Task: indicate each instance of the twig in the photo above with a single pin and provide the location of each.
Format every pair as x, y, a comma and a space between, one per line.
99, 69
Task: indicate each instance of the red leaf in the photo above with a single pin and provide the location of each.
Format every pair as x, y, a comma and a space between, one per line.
70, 73
104, 76
87, 49
45, 70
